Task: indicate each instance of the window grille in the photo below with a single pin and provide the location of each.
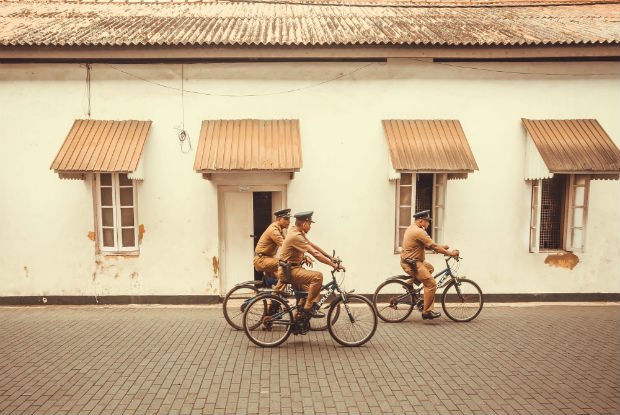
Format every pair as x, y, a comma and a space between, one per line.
424, 195
552, 212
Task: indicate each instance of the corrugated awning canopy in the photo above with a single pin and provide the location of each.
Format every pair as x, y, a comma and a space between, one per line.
248, 145
574, 146
428, 146
101, 146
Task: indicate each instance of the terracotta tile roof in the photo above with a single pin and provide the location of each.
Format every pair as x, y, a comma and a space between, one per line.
248, 145
428, 146
102, 146
574, 146
111, 23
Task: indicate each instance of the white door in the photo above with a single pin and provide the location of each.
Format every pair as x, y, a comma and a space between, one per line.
236, 242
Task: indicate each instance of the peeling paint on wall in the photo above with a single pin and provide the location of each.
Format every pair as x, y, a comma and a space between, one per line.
26, 271
216, 267
116, 266
565, 260
91, 236
141, 232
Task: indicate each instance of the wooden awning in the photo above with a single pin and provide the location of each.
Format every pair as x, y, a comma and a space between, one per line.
248, 146
569, 147
430, 146
96, 146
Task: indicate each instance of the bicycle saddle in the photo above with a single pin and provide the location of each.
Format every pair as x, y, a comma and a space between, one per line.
298, 292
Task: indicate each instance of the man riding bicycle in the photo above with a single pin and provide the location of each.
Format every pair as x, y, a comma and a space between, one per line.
292, 257
415, 241
265, 253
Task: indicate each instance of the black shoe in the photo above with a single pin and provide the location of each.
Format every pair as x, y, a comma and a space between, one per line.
431, 315
314, 313
274, 308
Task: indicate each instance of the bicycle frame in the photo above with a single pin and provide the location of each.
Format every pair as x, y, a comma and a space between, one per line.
448, 275
330, 287
444, 278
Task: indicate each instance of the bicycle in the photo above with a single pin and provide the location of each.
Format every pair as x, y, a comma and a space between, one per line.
237, 299
351, 318
462, 298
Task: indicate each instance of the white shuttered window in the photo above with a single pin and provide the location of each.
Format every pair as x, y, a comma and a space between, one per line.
558, 213
117, 213
417, 192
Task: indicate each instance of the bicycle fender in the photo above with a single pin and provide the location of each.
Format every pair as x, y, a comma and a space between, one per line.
255, 283
416, 282
398, 277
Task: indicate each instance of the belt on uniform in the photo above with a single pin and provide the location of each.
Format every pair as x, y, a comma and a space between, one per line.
292, 264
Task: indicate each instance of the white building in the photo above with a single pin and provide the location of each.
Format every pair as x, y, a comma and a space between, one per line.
173, 136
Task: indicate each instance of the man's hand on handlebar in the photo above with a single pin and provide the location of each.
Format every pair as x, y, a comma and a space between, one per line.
337, 264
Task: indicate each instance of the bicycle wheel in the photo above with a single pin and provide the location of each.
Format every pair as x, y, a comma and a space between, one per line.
235, 302
462, 301
267, 330
393, 301
320, 324
356, 322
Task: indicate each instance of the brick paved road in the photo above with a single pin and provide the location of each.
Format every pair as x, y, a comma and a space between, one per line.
169, 360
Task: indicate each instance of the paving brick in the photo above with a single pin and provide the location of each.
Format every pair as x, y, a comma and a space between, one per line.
186, 360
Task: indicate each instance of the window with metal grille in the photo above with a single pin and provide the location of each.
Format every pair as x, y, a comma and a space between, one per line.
558, 213
417, 192
552, 212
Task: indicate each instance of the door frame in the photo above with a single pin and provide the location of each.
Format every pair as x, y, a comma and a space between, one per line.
220, 216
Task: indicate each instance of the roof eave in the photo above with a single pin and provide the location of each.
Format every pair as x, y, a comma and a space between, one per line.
166, 53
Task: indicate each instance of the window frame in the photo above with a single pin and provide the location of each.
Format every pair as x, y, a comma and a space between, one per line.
569, 217
440, 184
116, 186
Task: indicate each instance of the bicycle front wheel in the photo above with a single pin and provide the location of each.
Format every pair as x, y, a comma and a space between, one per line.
462, 301
235, 302
356, 321
268, 320
393, 301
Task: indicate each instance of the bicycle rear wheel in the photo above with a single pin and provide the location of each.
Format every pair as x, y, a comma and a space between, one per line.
393, 301
235, 302
267, 329
462, 301
356, 321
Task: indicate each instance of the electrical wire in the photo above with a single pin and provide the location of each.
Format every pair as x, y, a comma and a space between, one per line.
513, 72
182, 134
288, 91
88, 83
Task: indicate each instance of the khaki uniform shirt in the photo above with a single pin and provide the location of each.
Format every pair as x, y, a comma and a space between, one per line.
270, 240
295, 246
414, 242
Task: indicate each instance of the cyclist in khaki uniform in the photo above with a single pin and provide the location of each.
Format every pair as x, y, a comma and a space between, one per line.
295, 245
265, 253
415, 241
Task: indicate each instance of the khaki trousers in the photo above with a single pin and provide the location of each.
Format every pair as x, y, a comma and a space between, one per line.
425, 275
307, 280
270, 265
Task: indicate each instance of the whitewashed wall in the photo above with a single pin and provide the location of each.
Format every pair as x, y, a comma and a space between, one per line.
45, 221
